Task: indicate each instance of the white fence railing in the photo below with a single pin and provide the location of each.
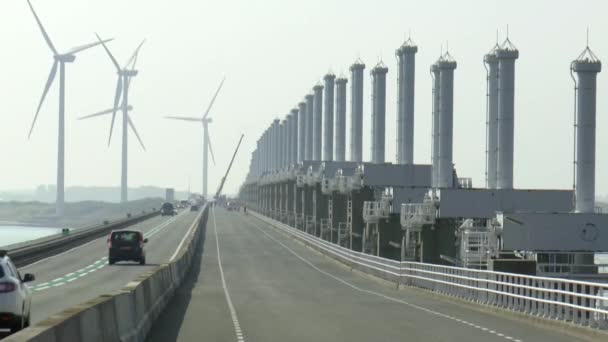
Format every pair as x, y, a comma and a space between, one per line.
580, 302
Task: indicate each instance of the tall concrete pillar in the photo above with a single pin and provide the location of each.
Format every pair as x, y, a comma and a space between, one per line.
446, 66
378, 74
586, 67
275, 144
405, 114
309, 127
341, 119
301, 131
281, 145
356, 122
435, 128
328, 118
293, 158
492, 118
287, 140
506, 55
317, 123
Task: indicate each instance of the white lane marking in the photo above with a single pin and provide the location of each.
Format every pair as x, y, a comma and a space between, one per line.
355, 287
235, 319
58, 284
155, 230
62, 253
181, 243
42, 288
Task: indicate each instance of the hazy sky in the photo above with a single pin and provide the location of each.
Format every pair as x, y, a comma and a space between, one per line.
272, 52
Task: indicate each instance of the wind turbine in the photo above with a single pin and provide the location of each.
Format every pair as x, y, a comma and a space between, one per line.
122, 90
60, 60
205, 120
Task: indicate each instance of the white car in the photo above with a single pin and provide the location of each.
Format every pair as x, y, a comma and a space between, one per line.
15, 296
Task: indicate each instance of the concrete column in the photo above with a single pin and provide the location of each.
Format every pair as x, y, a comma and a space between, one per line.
281, 145
288, 141
378, 74
301, 131
328, 118
294, 137
317, 123
586, 67
492, 119
405, 118
435, 127
309, 127
356, 122
275, 144
446, 68
506, 55
341, 119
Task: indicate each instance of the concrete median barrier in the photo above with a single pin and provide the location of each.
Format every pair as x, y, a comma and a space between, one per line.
125, 315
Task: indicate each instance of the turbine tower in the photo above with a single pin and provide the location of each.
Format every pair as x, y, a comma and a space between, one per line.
60, 60
205, 120
122, 90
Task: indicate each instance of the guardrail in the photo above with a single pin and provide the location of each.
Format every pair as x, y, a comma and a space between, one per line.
579, 302
37, 250
125, 315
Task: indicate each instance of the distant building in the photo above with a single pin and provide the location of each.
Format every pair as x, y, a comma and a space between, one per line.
170, 194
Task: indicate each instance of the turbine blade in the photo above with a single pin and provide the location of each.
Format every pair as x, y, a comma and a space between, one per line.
115, 107
213, 99
103, 112
135, 131
44, 34
210, 148
183, 118
48, 84
80, 48
109, 53
134, 56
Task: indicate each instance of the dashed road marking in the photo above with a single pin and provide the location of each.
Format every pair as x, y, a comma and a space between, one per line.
235, 319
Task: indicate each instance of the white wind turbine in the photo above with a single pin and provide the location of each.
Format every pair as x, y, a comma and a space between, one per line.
122, 90
60, 60
205, 120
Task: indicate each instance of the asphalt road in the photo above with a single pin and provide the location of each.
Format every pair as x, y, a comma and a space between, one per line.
267, 287
81, 274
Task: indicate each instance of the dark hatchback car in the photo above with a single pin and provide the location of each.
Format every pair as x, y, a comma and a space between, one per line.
126, 245
167, 209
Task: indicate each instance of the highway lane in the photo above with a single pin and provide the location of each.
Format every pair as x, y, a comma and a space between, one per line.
272, 288
83, 273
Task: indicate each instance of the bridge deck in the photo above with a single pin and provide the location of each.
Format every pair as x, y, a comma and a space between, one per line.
282, 291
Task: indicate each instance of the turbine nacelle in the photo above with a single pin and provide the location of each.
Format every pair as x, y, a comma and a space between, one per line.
127, 73
66, 58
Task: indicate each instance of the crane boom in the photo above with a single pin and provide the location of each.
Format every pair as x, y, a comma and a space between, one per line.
219, 190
